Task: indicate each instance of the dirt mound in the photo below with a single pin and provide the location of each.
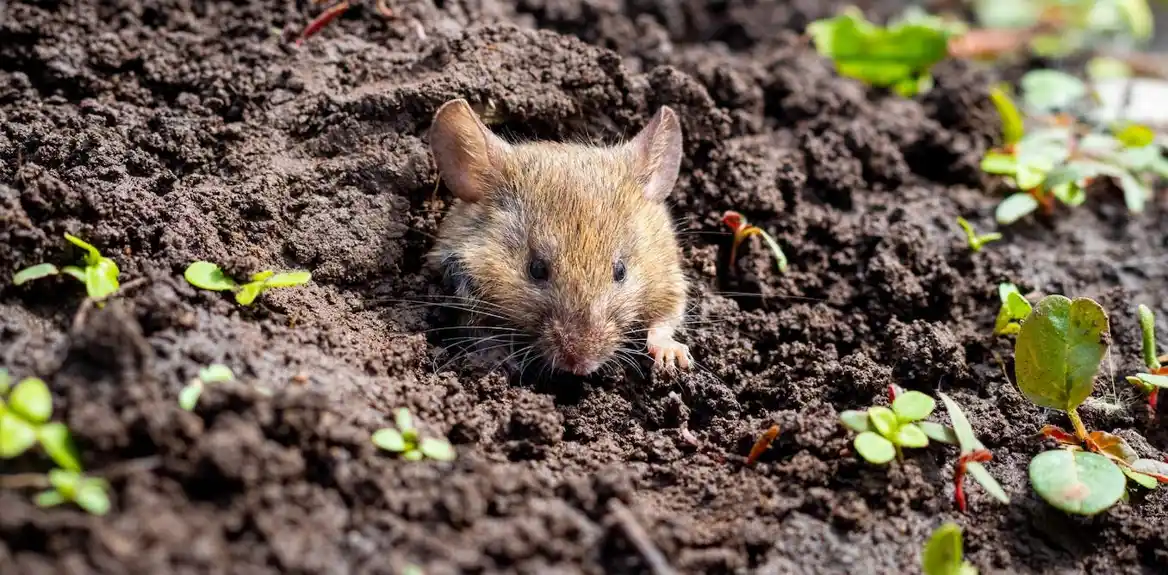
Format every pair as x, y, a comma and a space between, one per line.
166, 133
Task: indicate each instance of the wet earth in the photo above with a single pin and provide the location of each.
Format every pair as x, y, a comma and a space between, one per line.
169, 132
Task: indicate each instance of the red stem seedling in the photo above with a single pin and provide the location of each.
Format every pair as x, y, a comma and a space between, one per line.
764, 441
980, 456
742, 230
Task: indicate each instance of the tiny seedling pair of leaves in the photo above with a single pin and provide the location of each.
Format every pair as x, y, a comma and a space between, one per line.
882, 432
1027, 166
1013, 310
88, 493
973, 454
214, 373
943, 553
742, 230
406, 441
898, 56
209, 276
976, 241
24, 421
99, 273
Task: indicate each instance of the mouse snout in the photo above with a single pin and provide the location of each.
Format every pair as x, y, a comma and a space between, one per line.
580, 346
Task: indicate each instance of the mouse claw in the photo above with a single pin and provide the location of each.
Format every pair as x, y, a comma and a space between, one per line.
668, 353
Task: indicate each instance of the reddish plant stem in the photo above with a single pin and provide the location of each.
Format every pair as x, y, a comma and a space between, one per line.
323, 20
760, 446
980, 456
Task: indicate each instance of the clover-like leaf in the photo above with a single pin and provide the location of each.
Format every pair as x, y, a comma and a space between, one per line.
1015, 207
1049, 90
58, 443
899, 55
16, 435
208, 276
1077, 482
909, 435
937, 432
855, 420
32, 400
883, 419
389, 439
1012, 127
34, 273
943, 554
288, 279
437, 449
1058, 351
216, 373
188, 398
248, 293
874, 448
913, 406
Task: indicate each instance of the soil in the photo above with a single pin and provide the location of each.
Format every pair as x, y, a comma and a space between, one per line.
169, 132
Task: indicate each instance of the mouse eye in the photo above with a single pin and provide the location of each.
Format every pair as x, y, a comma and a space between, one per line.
537, 269
618, 271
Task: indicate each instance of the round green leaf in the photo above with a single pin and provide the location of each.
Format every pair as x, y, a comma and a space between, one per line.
855, 420
1058, 351
216, 373
34, 273
91, 496
32, 400
413, 455
58, 443
1135, 135
403, 419
188, 398
1145, 481
937, 432
1107, 68
999, 163
290, 279
909, 435
208, 276
248, 293
874, 448
389, 439
1077, 482
1046, 90
942, 554
101, 279
437, 449
913, 406
16, 435
979, 474
1014, 208
64, 481
49, 499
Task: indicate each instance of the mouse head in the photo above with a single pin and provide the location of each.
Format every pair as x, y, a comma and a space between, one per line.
569, 249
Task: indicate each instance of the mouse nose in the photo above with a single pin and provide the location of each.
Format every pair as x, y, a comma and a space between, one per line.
577, 347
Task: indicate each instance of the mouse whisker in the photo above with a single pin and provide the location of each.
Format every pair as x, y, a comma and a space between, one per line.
476, 348
457, 303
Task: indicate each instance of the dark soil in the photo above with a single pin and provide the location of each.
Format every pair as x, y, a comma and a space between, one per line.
167, 132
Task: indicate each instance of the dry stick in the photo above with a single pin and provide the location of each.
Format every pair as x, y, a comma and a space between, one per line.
640, 538
87, 305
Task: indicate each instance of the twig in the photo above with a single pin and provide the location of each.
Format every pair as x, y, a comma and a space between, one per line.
640, 538
87, 306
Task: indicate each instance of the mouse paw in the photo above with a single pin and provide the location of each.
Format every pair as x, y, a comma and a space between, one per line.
667, 352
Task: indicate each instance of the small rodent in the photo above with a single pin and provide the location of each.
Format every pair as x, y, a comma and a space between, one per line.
562, 252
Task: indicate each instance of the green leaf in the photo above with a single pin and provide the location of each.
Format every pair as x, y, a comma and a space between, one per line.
1148, 379
1058, 351
1077, 482
34, 273
49, 499
1069, 194
1145, 481
92, 255
16, 435
91, 496
5, 381
1135, 193
216, 373
188, 398
248, 293
943, 554
909, 435
1012, 127
289, 279
1135, 135
389, 439
937, 432
74, 272
855, 420
101, 278
1050, 90
979, 474
874, 448
1107, 68
32, 400
883, 419
975, 241
1151, 466
961, 427
64, 481
1139, 18
262, 276
913, 406
897, 55
780, 257
413, 455
58, 443
437, 449
1014, 309
208, 276
1014, 208
999, 163
403, 419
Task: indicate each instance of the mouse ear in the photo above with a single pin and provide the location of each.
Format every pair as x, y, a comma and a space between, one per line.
657, 154
466, 151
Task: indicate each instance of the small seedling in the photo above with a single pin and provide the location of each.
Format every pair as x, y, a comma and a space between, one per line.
973, 455
976, 241
209, 276
742, 230
99, 273
883, 432
89, 493
24, 421
760, 446
943, 553
1055, 29
1014, 309
1157, 375
898, 56
214, 373
405, 440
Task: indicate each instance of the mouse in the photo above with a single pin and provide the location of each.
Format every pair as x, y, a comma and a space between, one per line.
562, 252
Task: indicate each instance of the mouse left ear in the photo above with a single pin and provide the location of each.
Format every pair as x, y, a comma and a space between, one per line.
656, 153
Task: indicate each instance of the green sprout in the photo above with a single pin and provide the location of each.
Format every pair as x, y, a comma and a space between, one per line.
214, 373
24, 422
1014, 309
1156, 377
898, 56
976, 242
89, 493
99, 273
406, 441
973, 455
943, 553
1059, 28
209, 276
883, 432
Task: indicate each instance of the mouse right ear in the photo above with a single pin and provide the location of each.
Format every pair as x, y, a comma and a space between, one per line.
468, 154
